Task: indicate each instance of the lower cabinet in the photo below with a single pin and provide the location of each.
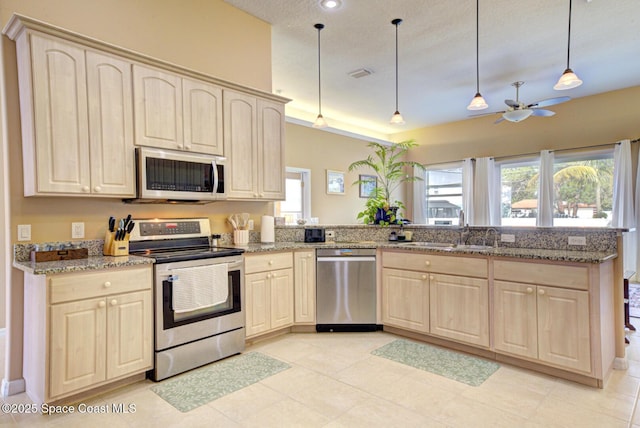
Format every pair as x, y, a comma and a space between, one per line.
405, 299
98, 328
268, 292
304, 287
546, 323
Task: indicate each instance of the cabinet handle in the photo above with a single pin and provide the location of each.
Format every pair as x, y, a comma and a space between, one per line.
541, 292
102, 304
107, 284
85, 188
424, 276
114, 302
529, 290
97, 189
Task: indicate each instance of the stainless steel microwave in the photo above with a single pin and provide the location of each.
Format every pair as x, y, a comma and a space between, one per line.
173, 176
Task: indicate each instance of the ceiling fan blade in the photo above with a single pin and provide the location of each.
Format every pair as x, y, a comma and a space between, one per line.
549, 102
501, 119
541, 112
485, 114
512, 103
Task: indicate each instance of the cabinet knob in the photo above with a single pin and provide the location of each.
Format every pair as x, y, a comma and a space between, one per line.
268, 275
85, 188
309, 256
180, 146
424, 276
261, 195
102, 304
114, 302
432, 277
541, 292
427, 263
255, 195
187, 147
97, 189
529, 290
107, 284
270, 262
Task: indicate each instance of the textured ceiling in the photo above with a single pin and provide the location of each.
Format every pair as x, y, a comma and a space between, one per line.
519, 40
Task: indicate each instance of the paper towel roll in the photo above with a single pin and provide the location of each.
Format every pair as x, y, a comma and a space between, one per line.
267, 234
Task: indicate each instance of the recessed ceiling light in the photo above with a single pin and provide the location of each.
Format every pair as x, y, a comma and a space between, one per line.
330, 4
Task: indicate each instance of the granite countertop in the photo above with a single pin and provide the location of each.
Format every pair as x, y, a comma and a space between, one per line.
106, 262
523, 253
90, 263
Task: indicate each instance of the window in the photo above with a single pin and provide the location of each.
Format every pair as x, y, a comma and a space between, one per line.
297, 204
443, 195
519, 192
583, 189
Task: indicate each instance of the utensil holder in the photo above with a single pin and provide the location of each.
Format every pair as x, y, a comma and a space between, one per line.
113, 247
241, 237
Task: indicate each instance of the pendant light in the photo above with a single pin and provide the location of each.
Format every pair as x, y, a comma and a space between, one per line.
477, 103
397, 118
568, 80
320, 122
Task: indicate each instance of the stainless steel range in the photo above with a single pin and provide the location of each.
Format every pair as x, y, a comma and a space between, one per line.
198, 293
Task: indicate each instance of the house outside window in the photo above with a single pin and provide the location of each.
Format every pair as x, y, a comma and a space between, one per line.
519, 192
443, 195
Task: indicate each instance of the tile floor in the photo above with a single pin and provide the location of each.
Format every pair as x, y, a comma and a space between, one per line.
334, 381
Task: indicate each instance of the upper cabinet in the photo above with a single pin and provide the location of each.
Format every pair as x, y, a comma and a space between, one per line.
70, 145
176, 113
85, 104
254, 145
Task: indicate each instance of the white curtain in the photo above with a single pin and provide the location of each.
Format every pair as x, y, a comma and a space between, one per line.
419, 197
545, 189
623, 210
467, 190
486, 207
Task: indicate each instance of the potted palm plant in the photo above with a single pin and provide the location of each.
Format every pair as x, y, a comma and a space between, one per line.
389, 166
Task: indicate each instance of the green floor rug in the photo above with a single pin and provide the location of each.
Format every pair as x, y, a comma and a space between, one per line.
453, 365
200, 386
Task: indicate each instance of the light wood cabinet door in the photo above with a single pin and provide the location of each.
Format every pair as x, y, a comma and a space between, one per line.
240, 145
459, 308
563, 328
281, 298
258, 297
129, 333
77, 345
405, 299
60, 150
202, 119
158, 108
110, 125
515, 318
304, 286
271, 150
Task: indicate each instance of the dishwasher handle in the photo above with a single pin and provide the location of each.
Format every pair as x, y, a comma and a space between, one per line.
347, 259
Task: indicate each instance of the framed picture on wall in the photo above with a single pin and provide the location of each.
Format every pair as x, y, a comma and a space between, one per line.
335, 182
368, 184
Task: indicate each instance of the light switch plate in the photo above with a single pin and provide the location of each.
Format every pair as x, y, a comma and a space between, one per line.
24, 232
577, 240
77, 230
507, 237
250, 224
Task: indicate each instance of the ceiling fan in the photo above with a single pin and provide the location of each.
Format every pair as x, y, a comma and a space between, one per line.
518, 111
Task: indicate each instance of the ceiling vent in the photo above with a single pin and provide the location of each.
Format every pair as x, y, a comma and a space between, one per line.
361, 72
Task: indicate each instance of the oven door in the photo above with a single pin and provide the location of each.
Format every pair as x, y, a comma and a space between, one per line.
175, 327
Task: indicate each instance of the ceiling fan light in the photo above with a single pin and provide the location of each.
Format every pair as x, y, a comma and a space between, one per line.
320, 122
397, 119
517, 115
477, 103
568, 80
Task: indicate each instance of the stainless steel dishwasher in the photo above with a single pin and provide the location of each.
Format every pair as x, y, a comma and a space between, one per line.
346, 290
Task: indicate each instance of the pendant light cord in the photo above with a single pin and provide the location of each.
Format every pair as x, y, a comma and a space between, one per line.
396, 22
477, 47
569, 39
319, 27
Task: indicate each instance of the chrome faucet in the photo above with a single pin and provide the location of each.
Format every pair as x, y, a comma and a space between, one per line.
464, 235
495, 236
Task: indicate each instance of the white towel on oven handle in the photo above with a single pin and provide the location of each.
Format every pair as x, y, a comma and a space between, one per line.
199, 287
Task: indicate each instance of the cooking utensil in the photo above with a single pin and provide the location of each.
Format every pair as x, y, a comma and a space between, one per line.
233, 222
127, 221
112, 224
245, 220
130, 227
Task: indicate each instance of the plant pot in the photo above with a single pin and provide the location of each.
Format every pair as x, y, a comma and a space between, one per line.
383, 215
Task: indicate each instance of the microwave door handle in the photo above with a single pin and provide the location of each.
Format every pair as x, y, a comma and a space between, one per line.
215, 177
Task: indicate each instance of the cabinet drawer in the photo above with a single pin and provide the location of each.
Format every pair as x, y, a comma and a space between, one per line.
265, 262
76, 286
576, 277
455, 265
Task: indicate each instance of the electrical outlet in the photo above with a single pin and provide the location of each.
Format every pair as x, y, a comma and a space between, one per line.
577, 240
250, 224
507, 237
330, 234
77, 230
24, 232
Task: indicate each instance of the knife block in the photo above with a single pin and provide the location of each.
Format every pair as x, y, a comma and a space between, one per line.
113, 247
